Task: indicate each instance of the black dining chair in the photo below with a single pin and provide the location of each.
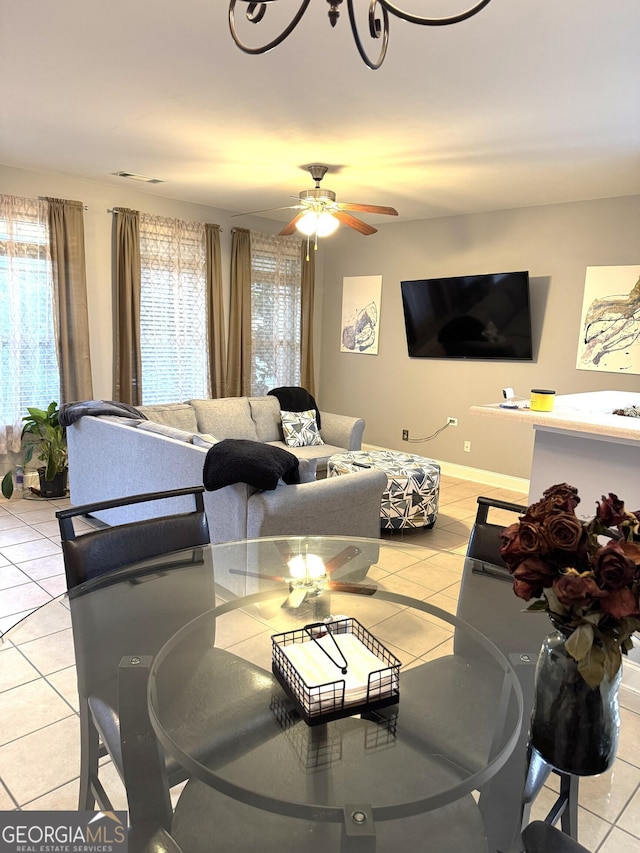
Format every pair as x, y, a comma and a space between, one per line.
96, 554
106, 548
540, 837
488, 602
122, 611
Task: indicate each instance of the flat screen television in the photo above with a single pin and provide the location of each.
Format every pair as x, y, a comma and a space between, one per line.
469, 316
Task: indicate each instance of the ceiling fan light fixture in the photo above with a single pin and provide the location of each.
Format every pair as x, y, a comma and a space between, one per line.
322, 224
307, 567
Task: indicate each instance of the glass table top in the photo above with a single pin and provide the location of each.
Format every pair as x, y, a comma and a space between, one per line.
207, 616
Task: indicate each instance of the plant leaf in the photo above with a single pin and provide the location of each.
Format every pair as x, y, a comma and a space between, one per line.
538, 605
591, 667
612, 660
7, 485
580, 643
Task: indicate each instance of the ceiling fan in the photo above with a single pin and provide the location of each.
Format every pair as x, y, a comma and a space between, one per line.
320, 214
309, 575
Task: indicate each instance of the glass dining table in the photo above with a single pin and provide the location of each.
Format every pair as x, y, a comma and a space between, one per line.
275, 760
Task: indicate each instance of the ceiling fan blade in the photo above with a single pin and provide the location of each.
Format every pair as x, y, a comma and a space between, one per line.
343, 586
368, 208
295, 598
291, 226
267, 210
353, 222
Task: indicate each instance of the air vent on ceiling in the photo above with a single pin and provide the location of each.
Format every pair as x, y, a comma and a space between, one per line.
144, 178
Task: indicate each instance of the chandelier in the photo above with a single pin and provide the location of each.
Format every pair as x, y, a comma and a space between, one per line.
379, 11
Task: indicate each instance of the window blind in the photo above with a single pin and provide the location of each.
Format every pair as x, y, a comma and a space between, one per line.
275, 311
173, 310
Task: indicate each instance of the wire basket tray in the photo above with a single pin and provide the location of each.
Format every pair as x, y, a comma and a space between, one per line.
322, 703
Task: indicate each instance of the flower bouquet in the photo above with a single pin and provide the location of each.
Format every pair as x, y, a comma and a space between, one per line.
584, 573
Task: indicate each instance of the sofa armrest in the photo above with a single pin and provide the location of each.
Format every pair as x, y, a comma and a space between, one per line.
342, 430
111, 460
338, 506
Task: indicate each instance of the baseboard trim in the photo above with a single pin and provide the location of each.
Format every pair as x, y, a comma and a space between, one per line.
475, 475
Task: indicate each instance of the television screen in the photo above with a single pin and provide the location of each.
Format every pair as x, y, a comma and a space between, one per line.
470, 316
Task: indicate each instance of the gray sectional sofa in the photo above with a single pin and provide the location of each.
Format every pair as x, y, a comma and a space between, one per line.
112, 457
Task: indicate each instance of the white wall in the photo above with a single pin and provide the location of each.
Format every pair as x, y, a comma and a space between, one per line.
393, 392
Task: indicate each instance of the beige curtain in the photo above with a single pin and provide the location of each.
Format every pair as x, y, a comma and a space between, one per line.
308, 285
215, 312
66, 240
239, 354
127, 378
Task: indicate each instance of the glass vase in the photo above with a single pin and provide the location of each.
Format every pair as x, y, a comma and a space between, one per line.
574, 727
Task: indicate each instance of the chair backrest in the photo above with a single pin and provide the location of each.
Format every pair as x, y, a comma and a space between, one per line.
486, 597
484, 542
100, 551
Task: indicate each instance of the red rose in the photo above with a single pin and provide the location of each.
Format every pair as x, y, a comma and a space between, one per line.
563, 495
620, 603
565, 532
532, 538
575, 589
510, 548
525, 591
615, 565
536, 572
611, 511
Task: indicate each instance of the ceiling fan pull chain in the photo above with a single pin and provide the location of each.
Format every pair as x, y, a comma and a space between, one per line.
308, 238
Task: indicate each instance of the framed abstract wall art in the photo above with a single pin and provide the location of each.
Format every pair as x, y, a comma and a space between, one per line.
360, 324
610, 323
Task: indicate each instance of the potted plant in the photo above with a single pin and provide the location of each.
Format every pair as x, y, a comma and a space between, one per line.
47, 437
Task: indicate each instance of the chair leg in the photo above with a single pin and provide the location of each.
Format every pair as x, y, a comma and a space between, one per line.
143, 767
569, 817
89, 754
565, 808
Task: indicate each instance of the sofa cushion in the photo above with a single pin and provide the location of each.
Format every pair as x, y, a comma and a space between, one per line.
265, 412
318, 453
300, 429
179, 415
227, 417
306, 471
204, 439
165, 429
240, 461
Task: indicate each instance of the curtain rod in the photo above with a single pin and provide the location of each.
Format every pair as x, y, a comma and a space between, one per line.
45, 197
114, 210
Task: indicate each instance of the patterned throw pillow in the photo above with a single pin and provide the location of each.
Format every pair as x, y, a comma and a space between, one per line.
300, 429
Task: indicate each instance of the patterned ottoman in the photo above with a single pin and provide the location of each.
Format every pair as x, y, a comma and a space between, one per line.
413, 485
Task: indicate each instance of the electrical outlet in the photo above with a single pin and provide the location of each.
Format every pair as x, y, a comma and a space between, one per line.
467, 447
452, 422
405, 435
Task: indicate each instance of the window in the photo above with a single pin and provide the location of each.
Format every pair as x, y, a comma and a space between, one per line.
275, 312
173, 310
29, 372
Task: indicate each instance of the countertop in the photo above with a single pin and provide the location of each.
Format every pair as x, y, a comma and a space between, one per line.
589, 413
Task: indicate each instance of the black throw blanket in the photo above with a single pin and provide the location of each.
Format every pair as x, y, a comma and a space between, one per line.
238, 460
292, 398
71, 412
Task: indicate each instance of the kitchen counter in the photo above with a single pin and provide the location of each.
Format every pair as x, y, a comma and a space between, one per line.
582, 443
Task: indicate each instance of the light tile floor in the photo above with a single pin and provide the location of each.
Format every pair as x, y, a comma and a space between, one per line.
38, 701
